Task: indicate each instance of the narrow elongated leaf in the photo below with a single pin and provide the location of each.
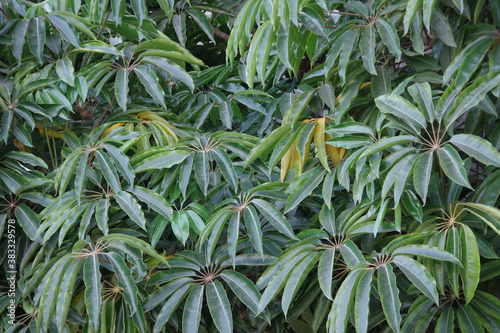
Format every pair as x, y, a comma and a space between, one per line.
36, 37
101, 215
446, 321
192, 310
226, 166
471, 96
125, 280
362, 302
243, 288
426, 251
92, 279
19, 34
65, 71
297, 277
219, 307
471, 263
342, 305
108, 170
121, 163
452, 165
252, 224
162, 159
368, 49
304, 189
468, 321
153, 200
121, 88
389, 36
419, 276
150, 81
477, 147
170, 306
401, 108
325, 272
274, 216
131, 207
172, 69
422, 174
201, 170
28, 221
389, 296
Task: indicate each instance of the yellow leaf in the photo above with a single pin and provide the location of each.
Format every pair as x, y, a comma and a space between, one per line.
285, 162
319, 142
106, 132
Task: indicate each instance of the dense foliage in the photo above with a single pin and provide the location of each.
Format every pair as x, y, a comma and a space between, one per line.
253, 166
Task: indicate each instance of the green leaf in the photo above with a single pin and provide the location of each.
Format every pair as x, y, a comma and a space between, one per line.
273, 215
121, 88
441, 26
471, 263
18, 35
413, 206
65, 71
170, 306
92, 279
155, 201
419, 276
121, 163
243, 288
385, 143
125, 280
201, 170
295, 111
233, 230
252, 224
180, 226
389, 296
226, 166
219, 307
477, 147
278, 280
65, 30
325, 272
339, 314
28, 221
108, 170
192, 310
368, 49
412, 9
389, 36
361, 305
296, 279
468, 321
140, 10
150, 81
204, 24
311, 19
426, 251
452, 165
66, 290
422, 94
471, 96
172, 69
97, 47
130, 206
162, 159
446, 321
101, 215
304, 189
36, 37
422, 174
401, 108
